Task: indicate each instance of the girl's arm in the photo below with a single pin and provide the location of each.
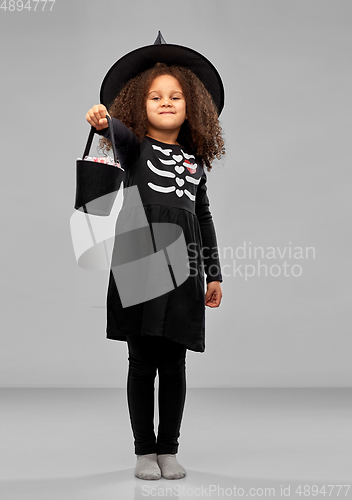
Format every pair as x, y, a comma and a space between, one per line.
124, 137
126, 141
212, 266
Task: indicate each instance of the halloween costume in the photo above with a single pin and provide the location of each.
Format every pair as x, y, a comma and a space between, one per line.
172, 184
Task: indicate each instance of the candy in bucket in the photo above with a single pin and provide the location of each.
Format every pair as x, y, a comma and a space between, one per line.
107, 160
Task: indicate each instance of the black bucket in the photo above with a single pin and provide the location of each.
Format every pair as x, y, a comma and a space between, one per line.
97, 184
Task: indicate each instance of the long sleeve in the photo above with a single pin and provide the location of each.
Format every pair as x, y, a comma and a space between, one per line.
212, 265
126, 141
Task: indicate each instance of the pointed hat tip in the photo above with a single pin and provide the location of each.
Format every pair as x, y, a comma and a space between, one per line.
159, 39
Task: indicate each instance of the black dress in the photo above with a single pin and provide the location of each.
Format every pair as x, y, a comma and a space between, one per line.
171, 182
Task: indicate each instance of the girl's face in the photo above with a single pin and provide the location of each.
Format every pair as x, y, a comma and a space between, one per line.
166, 105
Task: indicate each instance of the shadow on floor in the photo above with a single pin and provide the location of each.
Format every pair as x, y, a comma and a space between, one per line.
125, 486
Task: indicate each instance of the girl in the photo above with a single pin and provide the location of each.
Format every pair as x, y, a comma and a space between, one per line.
165, 125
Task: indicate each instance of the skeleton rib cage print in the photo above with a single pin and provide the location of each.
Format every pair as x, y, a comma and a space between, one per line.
181, 163
172, 185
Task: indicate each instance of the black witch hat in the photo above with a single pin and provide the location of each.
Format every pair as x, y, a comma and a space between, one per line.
139, 60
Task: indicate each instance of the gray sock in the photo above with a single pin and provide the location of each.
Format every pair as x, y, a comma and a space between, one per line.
147, 467
170, 468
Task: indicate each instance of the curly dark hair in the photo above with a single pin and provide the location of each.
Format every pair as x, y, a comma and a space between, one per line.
201, 132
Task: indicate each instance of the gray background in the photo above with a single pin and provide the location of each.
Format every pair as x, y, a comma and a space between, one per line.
285, 180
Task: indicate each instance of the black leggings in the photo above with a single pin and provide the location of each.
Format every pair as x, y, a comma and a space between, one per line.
147, 354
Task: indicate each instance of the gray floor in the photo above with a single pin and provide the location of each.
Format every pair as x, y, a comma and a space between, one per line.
77, 444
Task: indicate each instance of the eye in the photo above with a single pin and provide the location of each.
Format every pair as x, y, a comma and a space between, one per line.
159, 98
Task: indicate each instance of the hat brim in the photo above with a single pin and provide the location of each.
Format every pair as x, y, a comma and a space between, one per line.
139, 60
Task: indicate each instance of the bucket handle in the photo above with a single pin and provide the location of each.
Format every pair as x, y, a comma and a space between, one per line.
91, 135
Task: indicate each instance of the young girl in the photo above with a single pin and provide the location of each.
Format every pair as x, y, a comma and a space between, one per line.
165, 125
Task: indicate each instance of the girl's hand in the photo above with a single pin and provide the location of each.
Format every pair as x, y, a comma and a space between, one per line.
96, 117
214, 294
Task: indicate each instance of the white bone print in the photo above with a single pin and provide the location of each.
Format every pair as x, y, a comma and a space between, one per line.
183, 164
167, 162
161, 189
192, 179
179, 169
190, 195
188, 157
166, 152
163, 173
